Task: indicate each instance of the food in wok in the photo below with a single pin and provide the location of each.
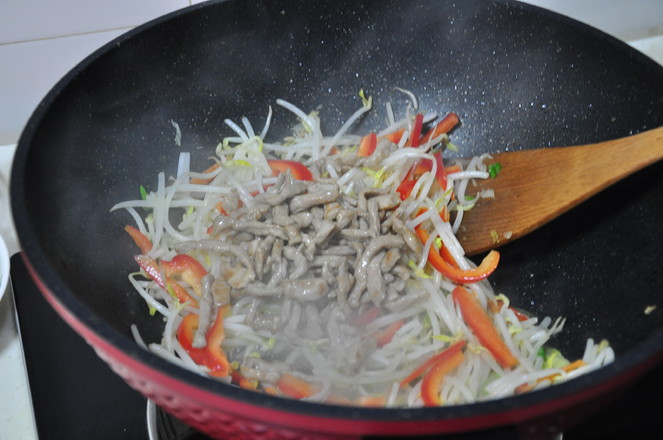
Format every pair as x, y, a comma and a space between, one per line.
326, 268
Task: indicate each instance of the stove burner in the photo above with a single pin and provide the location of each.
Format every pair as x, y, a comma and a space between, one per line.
75, 395
163, 426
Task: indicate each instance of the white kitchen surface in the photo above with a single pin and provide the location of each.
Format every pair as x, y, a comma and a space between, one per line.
41, 40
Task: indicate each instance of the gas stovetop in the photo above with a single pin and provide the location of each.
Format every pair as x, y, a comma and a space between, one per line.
75, 395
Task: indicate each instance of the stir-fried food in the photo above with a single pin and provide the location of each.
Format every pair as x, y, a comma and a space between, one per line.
326, 268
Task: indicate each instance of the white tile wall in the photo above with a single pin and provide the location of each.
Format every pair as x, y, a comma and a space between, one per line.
31, 68
48, 19
41, 40
625, 19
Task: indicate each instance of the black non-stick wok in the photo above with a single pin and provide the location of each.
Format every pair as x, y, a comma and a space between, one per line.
518, 76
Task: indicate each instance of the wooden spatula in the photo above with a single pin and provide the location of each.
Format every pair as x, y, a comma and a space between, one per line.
535, 186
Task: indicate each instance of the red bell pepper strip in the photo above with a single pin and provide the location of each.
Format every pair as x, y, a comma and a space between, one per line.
238, 379
143, 243
384, 336
394, 137
444, 251
405, 188
426, 366
482, 326
520, 315
416, 130
444, 214
185, 334
297, 169
496, 306
295, 387
566, 368
425, 165
204, 181
152, 269
337, 399
366, 317
271, 390
186, 268
212, 355
219, 207
422, 166
215, 336
367, 145
453, 169
442, 127
440, 173
455, 274
371, 401
430, 385
240, 204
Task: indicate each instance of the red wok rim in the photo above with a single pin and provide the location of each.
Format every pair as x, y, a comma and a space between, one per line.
334, 419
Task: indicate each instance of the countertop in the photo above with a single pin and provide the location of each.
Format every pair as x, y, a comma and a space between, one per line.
63, 32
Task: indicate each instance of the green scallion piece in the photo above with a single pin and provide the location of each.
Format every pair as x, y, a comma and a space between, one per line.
494, 169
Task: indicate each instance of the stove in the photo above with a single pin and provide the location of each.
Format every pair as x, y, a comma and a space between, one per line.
76, 396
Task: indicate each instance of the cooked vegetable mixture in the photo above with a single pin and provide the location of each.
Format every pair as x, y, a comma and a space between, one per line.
326, 268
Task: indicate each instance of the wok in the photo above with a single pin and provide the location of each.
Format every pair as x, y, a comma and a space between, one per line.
518, 76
